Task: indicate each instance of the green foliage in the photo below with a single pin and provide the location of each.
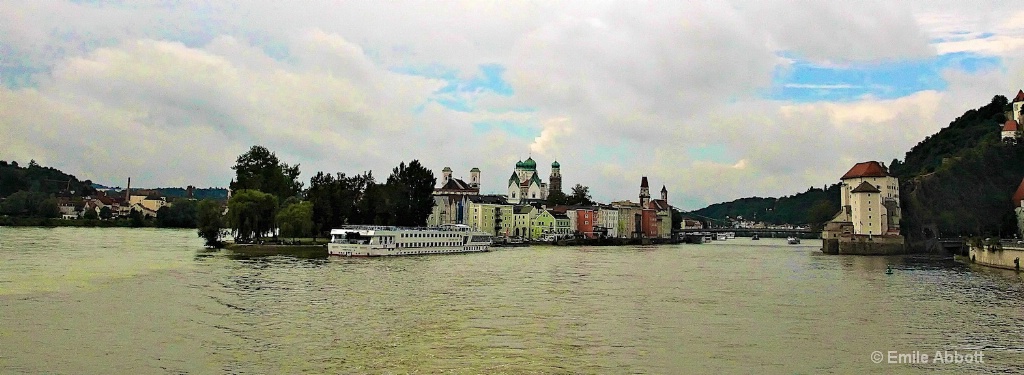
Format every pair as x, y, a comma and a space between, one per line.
556, 198
181, 213
410, 194
677, 219
580, 196
335, 199
969, 194
48, 208
259, 169
106, 213
251, 214
296, 220
137, 218
90, 214
802, 208
967, 131
209, 222
36, 178
30, 204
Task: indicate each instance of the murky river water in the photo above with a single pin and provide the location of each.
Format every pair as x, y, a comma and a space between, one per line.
146, 301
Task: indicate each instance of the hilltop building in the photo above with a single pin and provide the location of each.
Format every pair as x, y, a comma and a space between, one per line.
869, 216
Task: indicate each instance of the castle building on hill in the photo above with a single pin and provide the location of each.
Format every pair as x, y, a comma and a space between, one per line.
525, 183
1011, 128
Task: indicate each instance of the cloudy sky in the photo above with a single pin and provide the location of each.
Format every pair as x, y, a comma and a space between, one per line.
716, 100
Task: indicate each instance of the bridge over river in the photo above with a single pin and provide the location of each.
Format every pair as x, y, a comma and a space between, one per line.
761, 232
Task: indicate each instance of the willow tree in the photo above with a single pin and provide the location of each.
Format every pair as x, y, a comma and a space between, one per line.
251, 215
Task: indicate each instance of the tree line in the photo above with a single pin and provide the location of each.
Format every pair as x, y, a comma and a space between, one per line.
268, 200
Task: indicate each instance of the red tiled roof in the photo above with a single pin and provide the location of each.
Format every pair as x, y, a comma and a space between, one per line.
658, 204
866, 169
1019, 195
1010, 126
1020, 97
865, 187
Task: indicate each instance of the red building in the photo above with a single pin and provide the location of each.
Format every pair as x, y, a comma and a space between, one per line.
585, 221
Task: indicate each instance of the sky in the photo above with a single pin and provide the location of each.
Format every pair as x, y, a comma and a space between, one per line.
715, 100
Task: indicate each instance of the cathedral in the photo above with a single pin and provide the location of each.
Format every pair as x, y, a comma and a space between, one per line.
525, 182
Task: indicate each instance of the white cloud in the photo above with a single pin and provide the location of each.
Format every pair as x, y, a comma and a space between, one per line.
171, 93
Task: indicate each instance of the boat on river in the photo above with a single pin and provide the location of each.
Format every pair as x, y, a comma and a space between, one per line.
370, 241
793, 240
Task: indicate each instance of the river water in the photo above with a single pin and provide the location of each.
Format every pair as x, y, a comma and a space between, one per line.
152, 301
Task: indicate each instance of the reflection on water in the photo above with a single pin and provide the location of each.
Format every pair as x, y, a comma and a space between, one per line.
153, 301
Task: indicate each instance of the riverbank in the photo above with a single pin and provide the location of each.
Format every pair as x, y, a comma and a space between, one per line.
1005, 258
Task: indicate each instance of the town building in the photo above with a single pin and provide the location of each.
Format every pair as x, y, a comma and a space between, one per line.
869, 216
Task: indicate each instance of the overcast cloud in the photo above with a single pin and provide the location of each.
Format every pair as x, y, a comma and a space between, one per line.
716, 100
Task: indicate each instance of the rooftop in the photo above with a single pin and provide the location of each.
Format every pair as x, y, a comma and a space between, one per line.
866, 169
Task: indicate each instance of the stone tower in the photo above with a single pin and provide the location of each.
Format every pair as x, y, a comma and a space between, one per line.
664, 193
474, 178
556, 177
645, 193
446, 175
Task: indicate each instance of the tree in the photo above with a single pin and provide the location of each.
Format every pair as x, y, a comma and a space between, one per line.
260, 169
411, 193
106, 213
137, 218
48, 208
296, 220
90, 214
209, 222
251, 214
821, 212
580, 196
556, 198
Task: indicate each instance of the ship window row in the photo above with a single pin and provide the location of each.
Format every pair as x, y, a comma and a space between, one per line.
427, 244
430, 235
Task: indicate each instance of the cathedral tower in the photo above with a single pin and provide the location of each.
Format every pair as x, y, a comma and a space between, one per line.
664, 193
556, 177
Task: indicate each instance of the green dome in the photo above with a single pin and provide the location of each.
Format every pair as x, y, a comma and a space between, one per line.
555, 165
530, 164
519, 164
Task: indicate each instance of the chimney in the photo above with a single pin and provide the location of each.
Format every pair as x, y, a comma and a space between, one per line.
128, 191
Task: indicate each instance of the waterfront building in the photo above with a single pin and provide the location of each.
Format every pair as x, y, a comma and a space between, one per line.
607, 221
523, 220
1018, 207
628, 223
868, 220
543, 223
870, 199
585, 221
489, 213
561, 222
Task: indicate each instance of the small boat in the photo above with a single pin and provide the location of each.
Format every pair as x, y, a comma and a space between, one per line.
755, 237
793, 240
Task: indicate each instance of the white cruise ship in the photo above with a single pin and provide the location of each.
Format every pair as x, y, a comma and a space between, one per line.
371, 241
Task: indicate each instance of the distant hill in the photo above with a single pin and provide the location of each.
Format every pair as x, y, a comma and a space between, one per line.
814, 206
36, 178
